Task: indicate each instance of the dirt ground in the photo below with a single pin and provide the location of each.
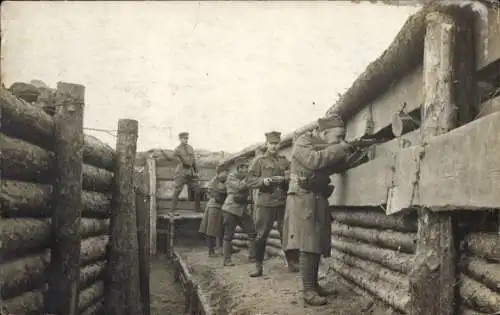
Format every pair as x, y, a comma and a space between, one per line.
166, 295
232, 291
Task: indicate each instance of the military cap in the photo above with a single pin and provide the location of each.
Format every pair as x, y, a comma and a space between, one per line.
240, 161
183, 134
273, 136
331, 121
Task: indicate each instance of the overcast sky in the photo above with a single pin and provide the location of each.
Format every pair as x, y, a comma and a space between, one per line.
225, 71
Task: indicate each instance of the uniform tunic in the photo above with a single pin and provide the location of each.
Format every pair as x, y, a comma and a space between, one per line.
185, 170
236, 212
270, 200
211, 224
307, 218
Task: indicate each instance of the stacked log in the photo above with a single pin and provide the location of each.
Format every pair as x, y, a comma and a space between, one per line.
374, 252
479, 278
26, 198
273, 245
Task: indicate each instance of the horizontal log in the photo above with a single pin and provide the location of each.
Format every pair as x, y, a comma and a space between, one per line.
272, 242
91, 273
98, 154
19, 236
378, 271
90, 295
94, 309
461, 181
93, 227
23, 199
464, 310
240, 236
25, 121
23, 274
370, 218
22, 160
398, 299
398, 241
96, 179
239, 243
477, 295
275, 252
28, 303
93, 249
274, 233
395, 261
483, 271
485, 245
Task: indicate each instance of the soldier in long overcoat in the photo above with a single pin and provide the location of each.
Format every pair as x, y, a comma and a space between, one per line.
211, 224
268, 174
186, 172
235, 208
307, 219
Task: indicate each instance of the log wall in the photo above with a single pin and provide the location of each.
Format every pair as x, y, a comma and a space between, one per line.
26, 197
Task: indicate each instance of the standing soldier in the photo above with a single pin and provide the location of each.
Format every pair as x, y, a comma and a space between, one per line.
211, 224
308, 219
186, 172
235, 207
268, 174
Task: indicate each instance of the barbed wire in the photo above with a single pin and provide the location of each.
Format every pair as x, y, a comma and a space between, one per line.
113, 133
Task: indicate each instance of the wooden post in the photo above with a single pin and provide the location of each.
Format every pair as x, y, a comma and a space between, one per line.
62, 298
446, 71
122, 296
150, 171
144, 251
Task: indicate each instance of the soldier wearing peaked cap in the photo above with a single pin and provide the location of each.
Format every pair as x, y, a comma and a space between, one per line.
186, 172
235, 208
315, 155
211, 224
268, 174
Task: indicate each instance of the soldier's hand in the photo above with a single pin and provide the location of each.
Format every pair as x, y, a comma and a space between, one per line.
267, 181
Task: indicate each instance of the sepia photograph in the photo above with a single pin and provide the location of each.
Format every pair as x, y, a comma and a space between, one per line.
250, 157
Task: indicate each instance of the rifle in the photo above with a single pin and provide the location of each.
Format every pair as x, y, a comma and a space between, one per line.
367, 141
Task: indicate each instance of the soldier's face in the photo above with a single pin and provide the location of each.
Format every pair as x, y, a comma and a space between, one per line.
243, 169
272, 147
184, 140
333, 135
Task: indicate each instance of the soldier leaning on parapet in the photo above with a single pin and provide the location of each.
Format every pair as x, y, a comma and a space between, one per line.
307, 219
211, 224
268, 174
186, 172
235, 207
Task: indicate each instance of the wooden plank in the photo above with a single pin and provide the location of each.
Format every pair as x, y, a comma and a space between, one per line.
365, 185
166, 205
65, 251
407, 90
392, 147
488, 41
142, 216
167, 172
489, 107
150, 171
461, 169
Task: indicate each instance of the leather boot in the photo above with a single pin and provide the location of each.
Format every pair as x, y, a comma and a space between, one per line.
259, 257
311, 297
322, 291
211, 246
227, 248
251, 251
292, 260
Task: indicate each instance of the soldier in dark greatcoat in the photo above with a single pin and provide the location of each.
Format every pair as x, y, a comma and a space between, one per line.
186, 172
235, 208
211, 224
268, 174
307, 219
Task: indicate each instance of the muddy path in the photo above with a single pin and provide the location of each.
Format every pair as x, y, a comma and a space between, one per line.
232, 291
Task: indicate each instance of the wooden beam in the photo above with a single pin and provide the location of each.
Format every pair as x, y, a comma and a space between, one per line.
150, 172
488, 41
123, 295
65, 252
490, 106
432, 278
143, 221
